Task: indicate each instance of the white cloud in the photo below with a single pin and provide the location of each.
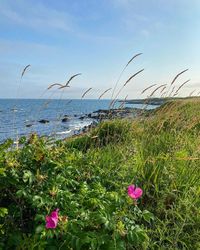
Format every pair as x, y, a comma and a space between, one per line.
36, 16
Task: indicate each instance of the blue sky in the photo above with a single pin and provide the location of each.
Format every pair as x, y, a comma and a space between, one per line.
97, 38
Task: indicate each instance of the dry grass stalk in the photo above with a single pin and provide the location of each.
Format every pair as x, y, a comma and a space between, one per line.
157, 89
122, 104
123, 72
172, 90
104, 93
178, 76
151, 86
133, 59
24, 70
69, 102
64, 86
164, 93
70, 79
111, 103
54, 84
94, 137
130, 78
85, 92
182, 86
163, 89
192, 92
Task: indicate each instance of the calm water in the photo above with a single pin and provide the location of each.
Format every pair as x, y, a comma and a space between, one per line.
20, 117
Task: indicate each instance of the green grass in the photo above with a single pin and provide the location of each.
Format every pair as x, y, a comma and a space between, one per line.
87, 179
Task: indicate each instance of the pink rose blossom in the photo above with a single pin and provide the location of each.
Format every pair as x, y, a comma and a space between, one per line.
52, 220
134, 192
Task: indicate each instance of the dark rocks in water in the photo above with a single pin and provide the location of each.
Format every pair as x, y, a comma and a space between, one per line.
66, 119
29, 125
82, 117
88, 127
102, 111
102, 114
84, 129
94, 123
43, 121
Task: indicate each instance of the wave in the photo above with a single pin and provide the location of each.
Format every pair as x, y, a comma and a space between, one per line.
64, 132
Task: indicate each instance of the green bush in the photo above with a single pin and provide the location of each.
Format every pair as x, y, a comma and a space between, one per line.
38, 178
87, 179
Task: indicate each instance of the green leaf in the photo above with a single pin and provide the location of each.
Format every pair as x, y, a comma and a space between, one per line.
147, 216
37, 200
39, 229
116, 245
78, 244
28, 176
21, 193
3, 211
2, 171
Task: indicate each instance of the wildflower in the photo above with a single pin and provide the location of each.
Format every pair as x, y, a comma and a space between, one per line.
52, 220
134, 192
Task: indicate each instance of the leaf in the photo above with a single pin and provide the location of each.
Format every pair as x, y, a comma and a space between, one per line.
2, 171
78, 244
39, 217
3, 211
28, 176
21, 193
39, 229
116, 245
38, 201
147, 216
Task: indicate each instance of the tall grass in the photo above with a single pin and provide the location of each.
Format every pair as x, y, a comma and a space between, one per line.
87, 178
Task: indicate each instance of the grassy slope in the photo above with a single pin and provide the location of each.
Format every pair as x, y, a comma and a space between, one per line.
159, 153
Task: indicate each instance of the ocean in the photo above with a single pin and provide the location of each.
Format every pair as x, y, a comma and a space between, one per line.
20, 117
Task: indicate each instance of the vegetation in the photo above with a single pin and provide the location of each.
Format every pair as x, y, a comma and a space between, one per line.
87, 178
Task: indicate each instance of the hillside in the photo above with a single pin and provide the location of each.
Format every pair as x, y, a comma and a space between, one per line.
87, 178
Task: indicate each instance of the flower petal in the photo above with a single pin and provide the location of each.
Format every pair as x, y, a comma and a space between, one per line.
138, 193
47, 218
52, 220
54, 214
131, 189
52, 223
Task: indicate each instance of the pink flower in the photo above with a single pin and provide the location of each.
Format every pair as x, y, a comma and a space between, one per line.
134, 192
52, 220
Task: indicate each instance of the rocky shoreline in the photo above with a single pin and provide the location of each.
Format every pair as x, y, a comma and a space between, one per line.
93, 119
104, 114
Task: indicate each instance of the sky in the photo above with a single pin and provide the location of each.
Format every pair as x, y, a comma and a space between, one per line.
97, 38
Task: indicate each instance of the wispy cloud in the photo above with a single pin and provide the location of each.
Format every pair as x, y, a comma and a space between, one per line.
36, 16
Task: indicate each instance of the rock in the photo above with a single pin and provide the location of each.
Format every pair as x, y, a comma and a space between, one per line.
66, 119
29, 125
43, 121
84, 129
